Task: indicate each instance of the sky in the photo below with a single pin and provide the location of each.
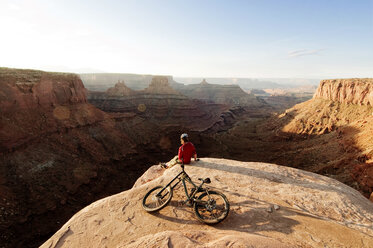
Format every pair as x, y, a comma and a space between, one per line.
190, 38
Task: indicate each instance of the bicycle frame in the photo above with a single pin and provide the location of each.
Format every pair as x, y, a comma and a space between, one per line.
182, 177
210, 207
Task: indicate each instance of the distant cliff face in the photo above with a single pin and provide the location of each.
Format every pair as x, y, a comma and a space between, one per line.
336, 103
354, 90
103, 81
231, 95
161, 103
224, 94
160, 85
27, 89
120, 89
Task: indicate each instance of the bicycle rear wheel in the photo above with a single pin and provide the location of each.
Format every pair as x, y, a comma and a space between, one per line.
211, 208
153, 201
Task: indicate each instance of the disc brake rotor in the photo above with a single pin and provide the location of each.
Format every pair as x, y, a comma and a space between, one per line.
211, 205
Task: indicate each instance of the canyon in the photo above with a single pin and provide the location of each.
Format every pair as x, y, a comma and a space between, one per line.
59, 152
63, 146
236, 91
327, 135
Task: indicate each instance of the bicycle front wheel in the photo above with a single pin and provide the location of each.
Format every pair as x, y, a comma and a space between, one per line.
154, 200
211, 207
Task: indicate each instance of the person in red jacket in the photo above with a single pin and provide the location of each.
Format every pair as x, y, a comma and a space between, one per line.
186, 152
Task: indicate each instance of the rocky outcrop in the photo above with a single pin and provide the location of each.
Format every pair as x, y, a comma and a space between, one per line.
29, 89
332, 106
271, 206
355, 90
232, 95
120, 89
103, 81
33, 103
160, 85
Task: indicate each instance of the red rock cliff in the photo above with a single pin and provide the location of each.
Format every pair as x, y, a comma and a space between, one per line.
25, 89
354, 90
33, 103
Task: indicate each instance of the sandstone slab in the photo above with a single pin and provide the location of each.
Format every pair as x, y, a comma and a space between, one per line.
315, 211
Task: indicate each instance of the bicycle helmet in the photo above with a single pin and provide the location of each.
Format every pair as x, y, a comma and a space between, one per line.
184, 135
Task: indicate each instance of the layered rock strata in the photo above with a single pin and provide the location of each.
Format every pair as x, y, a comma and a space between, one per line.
231, 95
340, 117
224, 94
103, 81
161, 103
42, 101
354, 90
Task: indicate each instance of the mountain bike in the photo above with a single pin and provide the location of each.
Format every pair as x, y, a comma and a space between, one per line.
210, 207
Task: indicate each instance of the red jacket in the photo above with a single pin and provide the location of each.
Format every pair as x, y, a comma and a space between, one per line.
186, 152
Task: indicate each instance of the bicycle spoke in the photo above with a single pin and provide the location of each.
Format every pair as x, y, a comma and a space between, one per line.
215, 215
214, 209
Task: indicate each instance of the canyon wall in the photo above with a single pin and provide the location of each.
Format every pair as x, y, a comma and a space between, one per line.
331, 134
34, 103
52, 144
354, 90
162, 104
223, 94
231, 95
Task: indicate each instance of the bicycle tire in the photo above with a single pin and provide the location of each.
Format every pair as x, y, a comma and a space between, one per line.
221, 203
158, 202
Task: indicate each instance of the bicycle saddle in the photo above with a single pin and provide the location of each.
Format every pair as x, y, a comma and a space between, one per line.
206, 180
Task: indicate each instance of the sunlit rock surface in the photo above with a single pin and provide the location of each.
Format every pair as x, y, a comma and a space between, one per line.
314, 211
354, 90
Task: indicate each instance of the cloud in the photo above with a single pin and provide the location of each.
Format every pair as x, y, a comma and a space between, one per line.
12, 6
304, 52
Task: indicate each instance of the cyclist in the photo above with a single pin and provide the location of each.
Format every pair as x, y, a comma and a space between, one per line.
186, 152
